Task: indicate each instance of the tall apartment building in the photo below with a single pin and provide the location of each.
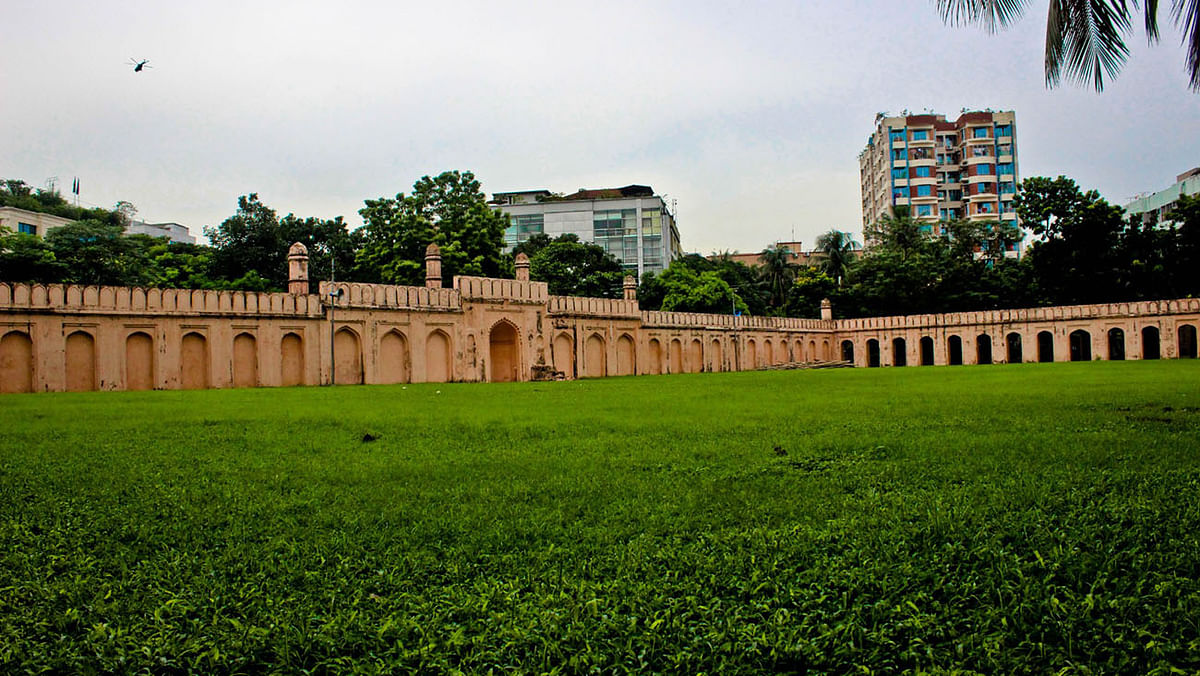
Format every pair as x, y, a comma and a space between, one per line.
941, 170
631, 223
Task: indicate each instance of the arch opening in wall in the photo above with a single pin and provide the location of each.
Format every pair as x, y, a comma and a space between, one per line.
826, 353
1045, 346
696, 356
899, 352
563, 353
1151, 347
1116, 344
954, 351
79, 362
394, 366
751, 354
595, 359
139, 361
983, 349
16, 362
768, 353
1187, 341
1012, 343
245, 360
926, 351
675, 356
812, 350
798, 356
655, 349
848, 351
193, 362
1081, 345
505, 357
291, 360
437, 357
347, 358
714, 356
872, 353
626, 356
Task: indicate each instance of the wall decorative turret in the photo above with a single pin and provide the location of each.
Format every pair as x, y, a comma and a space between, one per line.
298, 269
433, 267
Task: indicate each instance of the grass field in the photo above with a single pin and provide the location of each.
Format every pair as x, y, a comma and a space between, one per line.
1002, 519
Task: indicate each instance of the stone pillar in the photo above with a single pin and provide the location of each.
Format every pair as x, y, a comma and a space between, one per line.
826, 310
630, 287
433, 267
522, 267
298, 269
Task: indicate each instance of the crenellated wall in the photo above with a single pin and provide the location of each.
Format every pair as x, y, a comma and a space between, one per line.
55, 337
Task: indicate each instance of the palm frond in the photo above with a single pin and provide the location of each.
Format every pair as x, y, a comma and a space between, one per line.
1152, 21
991, 14
1085, 40
1186, 14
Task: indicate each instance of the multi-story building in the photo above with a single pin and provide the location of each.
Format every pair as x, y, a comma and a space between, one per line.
941, 170
1155, 206
631, 223
38, 223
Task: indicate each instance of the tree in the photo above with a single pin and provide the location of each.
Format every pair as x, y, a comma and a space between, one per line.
1076, 259
837, 251
256, 240
27, 258
809, 288
687, 291
777, 271
898, 232
573, 268
449, 210
1085, 39
537, 241
97, 252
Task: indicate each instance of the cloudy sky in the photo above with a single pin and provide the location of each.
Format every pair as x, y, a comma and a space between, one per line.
749, 114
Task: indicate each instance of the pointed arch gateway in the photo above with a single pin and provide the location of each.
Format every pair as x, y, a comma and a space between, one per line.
139, 361
504, 364
714, 356
626, 356
696, 356
437, 357
16, 362
655, 350
245, 361
193, 362
79, 362
675, 357
751, 355
563, 353
1150, 343
595, 362
291, 360
347, 362
394, 364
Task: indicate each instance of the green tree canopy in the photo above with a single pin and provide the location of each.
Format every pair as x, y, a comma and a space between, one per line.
573, 268
449, 210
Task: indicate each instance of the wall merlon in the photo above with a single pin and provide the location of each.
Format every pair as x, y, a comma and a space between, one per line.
73, 299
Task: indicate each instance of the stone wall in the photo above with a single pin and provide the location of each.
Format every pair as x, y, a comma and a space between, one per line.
55, 337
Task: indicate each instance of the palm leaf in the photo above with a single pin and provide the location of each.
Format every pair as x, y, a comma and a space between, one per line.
992, 14
1085, 40
1186, 14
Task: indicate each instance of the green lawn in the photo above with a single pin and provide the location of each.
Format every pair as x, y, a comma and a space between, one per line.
1002, 519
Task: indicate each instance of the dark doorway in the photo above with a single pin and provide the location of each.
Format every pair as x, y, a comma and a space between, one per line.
1116, 344
954, 350
1081, 345
848, 351
1150, 343
899, 352
1045, 346
1187, 341
926, 351
1014, 348
873, 353
983, 349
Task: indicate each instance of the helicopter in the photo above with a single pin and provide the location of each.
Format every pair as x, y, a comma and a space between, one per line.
139, 65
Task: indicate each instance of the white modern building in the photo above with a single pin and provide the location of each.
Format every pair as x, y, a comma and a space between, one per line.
1157, 205
172, 231
631, 223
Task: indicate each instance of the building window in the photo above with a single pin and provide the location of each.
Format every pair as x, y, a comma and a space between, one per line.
651, 222
616, 231
920, 153
947, 142
979, 132
26, 228
900, 193
924, 190
924, 210
1003, 130
900, 173
943, 214
896, 135
522, 228
954, 195
1005, 168
983, 170
920, 135
924, 172
1004, 149
1008, 186
898, 154
981, 151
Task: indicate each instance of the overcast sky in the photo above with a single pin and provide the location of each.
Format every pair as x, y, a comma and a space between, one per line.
750, 115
